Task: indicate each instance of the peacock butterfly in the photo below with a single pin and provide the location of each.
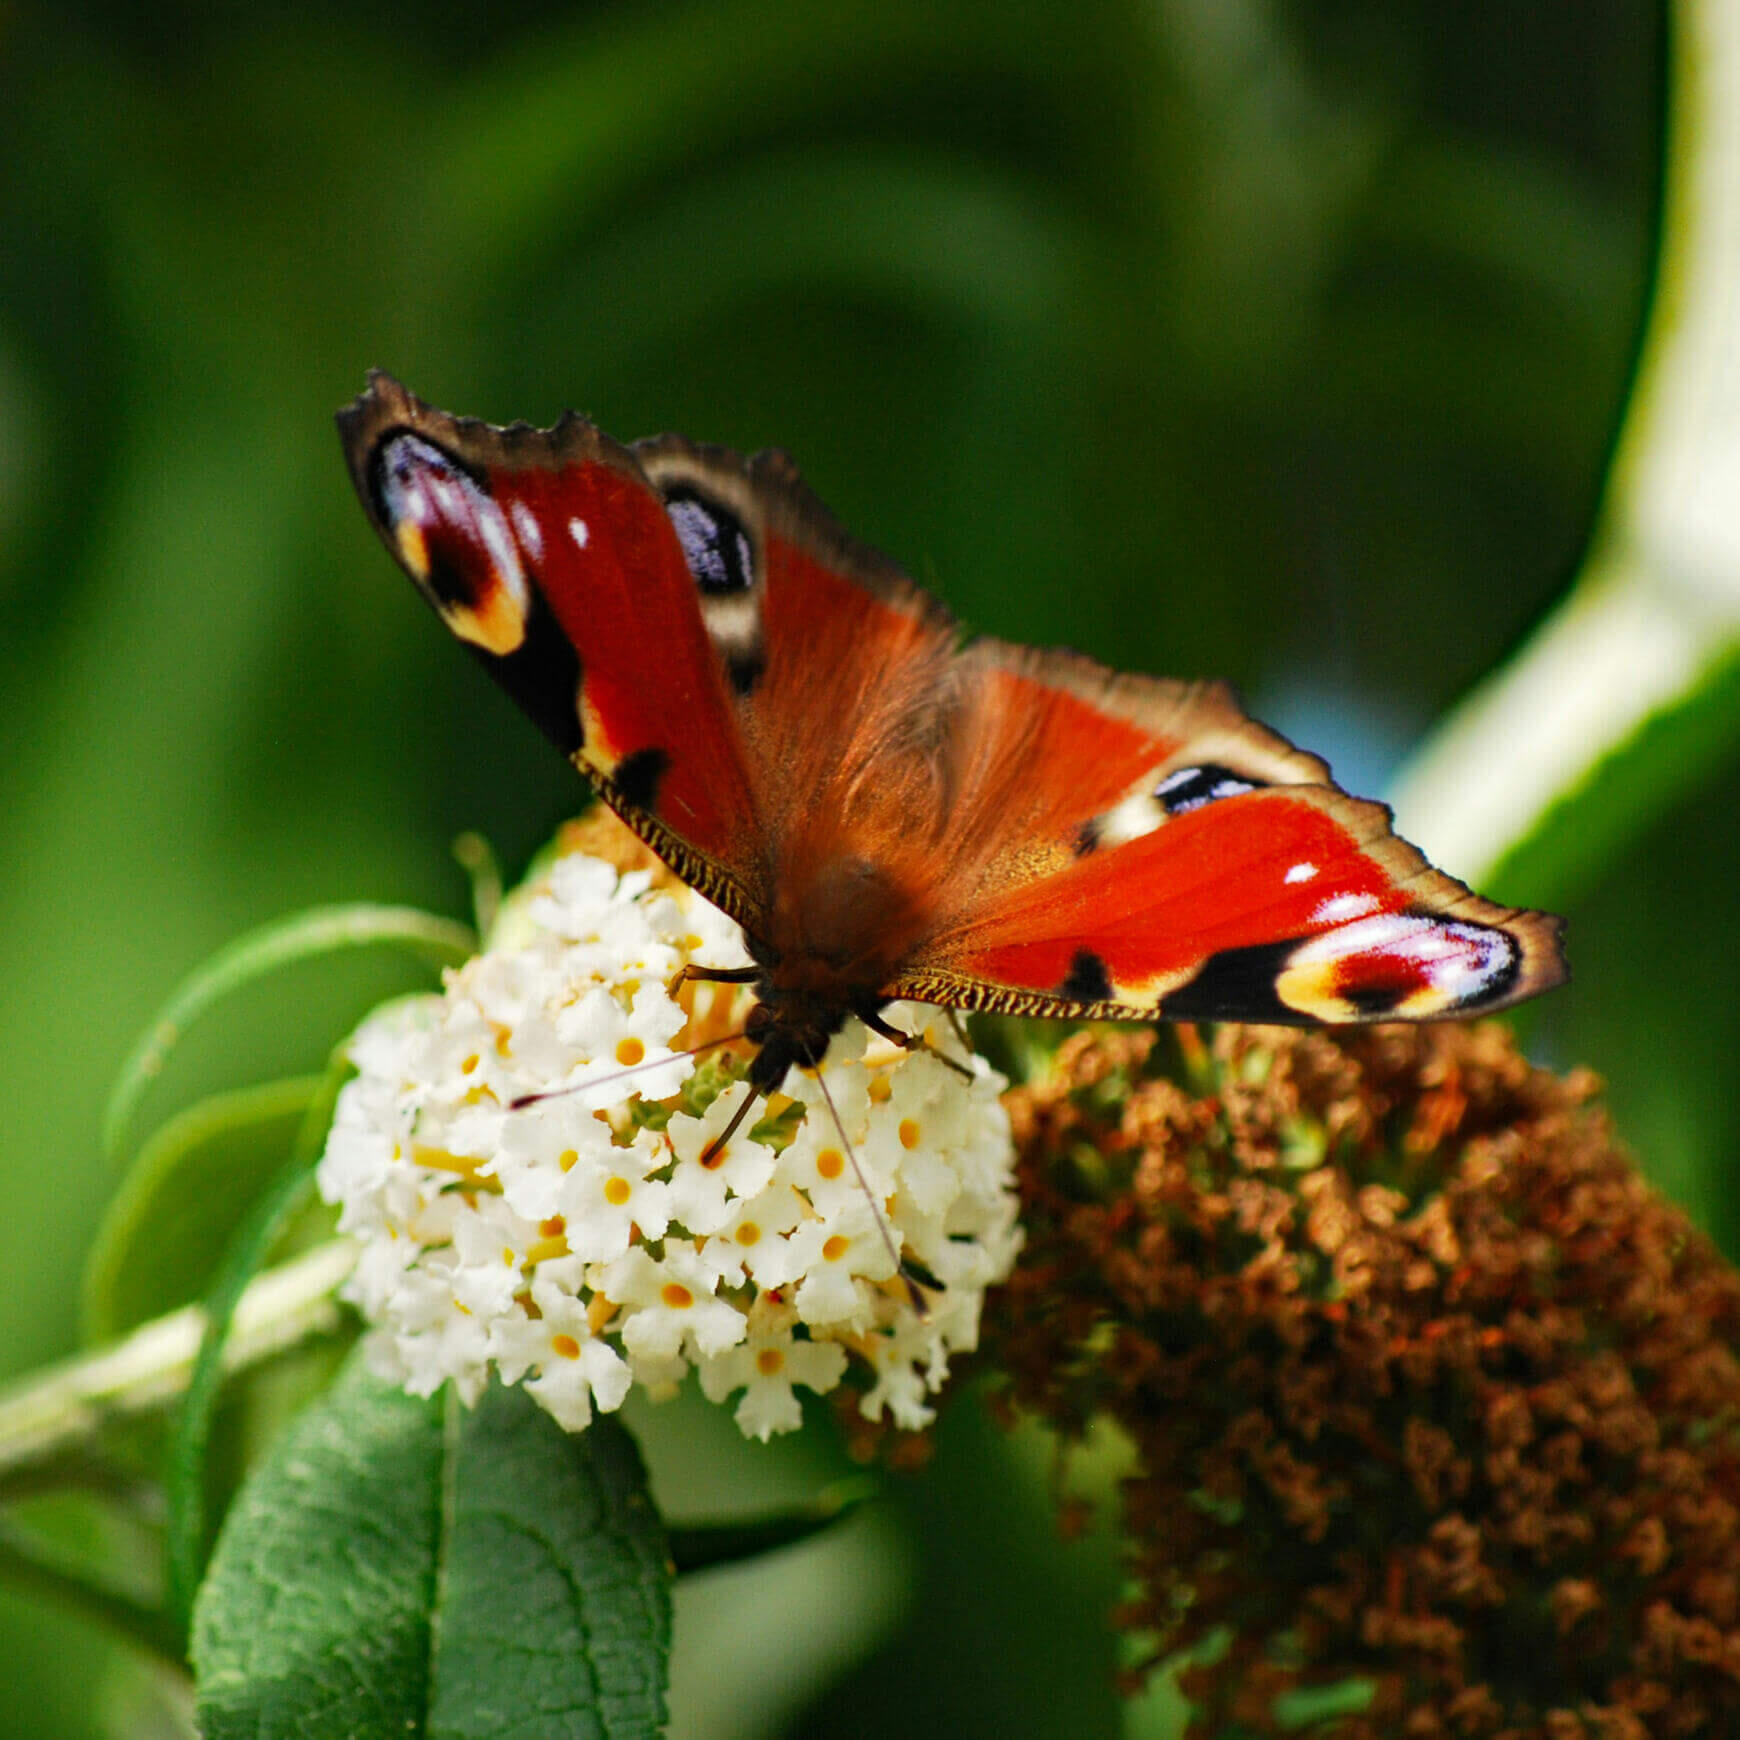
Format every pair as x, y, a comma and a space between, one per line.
889, 812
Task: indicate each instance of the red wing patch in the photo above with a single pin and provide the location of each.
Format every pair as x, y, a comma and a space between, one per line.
552, 557
1288, 903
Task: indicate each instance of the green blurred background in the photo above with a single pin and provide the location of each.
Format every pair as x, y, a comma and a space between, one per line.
1283, 342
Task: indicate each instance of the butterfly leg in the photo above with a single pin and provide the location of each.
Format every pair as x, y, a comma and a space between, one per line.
911, 1041
715, 975
693, 975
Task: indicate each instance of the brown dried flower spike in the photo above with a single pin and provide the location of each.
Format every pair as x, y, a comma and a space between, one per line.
1429, 1389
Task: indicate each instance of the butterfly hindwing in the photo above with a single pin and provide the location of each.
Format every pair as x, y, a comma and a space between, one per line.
1289, 902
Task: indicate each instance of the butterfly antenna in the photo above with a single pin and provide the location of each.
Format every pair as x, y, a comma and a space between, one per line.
913, 1291
525, 1100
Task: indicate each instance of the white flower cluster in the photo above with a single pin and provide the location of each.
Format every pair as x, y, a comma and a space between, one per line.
582, 1244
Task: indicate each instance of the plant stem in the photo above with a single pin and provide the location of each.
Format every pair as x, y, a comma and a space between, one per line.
65, 1408
1654, 618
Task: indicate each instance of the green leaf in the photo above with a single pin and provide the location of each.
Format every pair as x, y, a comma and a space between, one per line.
778, 1130
1305, 1706
321, 930
706, 1546
39, 1566
182, 1198
1669, 757
401, 1566
252, 1244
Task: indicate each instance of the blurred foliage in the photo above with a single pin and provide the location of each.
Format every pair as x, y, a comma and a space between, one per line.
1285, 342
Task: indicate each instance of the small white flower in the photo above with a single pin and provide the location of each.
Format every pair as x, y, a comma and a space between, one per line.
753, 1242
574, 1368
704, 1184
834, 1257
580, 1245
765, 1367
607, 1198
669, 1307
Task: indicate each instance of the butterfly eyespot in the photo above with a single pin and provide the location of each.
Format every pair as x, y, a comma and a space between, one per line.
527, 530
1343, 908
1398, 964
453, 536
715, 545
1189, 788
1181, 791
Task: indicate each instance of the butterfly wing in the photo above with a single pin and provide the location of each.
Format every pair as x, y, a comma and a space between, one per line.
789, 722
1229, 880
551, 556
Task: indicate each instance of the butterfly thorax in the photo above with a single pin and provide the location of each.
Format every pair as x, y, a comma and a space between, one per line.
834, 936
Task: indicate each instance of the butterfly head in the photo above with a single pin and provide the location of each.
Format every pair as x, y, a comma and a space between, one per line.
790, 1029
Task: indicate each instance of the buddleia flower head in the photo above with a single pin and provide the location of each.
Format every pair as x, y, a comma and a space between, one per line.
1435, 1404
599, 1237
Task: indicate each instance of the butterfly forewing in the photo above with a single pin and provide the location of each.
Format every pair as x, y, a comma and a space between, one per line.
551, 557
